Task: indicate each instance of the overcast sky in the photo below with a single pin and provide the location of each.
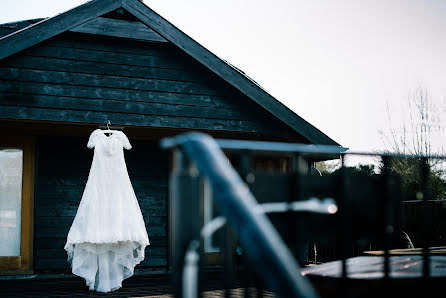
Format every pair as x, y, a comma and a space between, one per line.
334, 63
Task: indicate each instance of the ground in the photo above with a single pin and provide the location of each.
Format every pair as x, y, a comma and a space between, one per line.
136, 286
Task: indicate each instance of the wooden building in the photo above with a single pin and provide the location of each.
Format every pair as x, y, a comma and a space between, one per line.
117, 60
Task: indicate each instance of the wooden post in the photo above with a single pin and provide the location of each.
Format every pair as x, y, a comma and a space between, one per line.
184, 212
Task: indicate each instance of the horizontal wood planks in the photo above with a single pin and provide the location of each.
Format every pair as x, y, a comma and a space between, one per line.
62, 172
119, 28
88, 116
87, 79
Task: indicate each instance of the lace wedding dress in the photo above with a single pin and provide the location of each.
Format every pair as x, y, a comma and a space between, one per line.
108, 235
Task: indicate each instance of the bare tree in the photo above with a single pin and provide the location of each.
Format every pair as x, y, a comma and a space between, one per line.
420, 132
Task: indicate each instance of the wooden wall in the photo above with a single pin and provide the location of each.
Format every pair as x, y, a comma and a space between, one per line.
85, 78
63, 164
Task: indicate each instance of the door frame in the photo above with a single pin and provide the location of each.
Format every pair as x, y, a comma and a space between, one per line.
23, 264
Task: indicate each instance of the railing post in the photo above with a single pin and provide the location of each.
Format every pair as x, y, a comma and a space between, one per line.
184, 212
424, 195
245, 169
385, 210
228, 248
342, 213
297, 244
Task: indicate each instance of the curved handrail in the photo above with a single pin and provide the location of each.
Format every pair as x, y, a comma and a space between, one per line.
264, 247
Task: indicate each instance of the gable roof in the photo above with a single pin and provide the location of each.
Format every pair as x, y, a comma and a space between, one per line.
9, 28
47, 28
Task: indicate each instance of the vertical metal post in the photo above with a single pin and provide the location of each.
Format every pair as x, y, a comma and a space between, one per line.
297, 245
244, 168
229, 260
246, 279
386, 228
184, 212
342, 201
424, 195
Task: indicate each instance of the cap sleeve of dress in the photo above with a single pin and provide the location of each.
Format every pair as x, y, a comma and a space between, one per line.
92, 140
125, 141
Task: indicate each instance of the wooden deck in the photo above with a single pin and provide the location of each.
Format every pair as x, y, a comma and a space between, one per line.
159, 286
365, 280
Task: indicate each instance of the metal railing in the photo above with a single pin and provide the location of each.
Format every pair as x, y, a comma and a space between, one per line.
272, 244
264, 248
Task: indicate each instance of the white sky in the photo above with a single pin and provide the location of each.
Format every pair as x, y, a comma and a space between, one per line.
334, 63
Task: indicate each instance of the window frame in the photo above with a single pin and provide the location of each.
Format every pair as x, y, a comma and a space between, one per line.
23, 264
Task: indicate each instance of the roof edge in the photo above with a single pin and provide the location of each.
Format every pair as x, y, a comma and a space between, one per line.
47, 28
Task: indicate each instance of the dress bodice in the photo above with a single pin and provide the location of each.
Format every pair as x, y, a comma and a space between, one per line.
117, 140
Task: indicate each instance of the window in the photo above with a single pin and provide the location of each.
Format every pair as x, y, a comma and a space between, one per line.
16, 204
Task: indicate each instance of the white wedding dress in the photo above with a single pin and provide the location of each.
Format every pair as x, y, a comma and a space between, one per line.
108, 235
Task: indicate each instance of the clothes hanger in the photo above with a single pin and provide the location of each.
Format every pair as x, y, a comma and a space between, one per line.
109, 132
110, 129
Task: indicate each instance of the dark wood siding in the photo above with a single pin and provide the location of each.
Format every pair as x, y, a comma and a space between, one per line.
63, 164
89, 79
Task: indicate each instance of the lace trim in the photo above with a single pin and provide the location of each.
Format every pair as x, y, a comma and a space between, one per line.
105, 266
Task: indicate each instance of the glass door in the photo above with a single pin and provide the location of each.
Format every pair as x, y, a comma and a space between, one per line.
11, 171
16, 205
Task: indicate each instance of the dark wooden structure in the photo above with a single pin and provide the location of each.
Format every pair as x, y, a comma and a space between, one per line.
117, 60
